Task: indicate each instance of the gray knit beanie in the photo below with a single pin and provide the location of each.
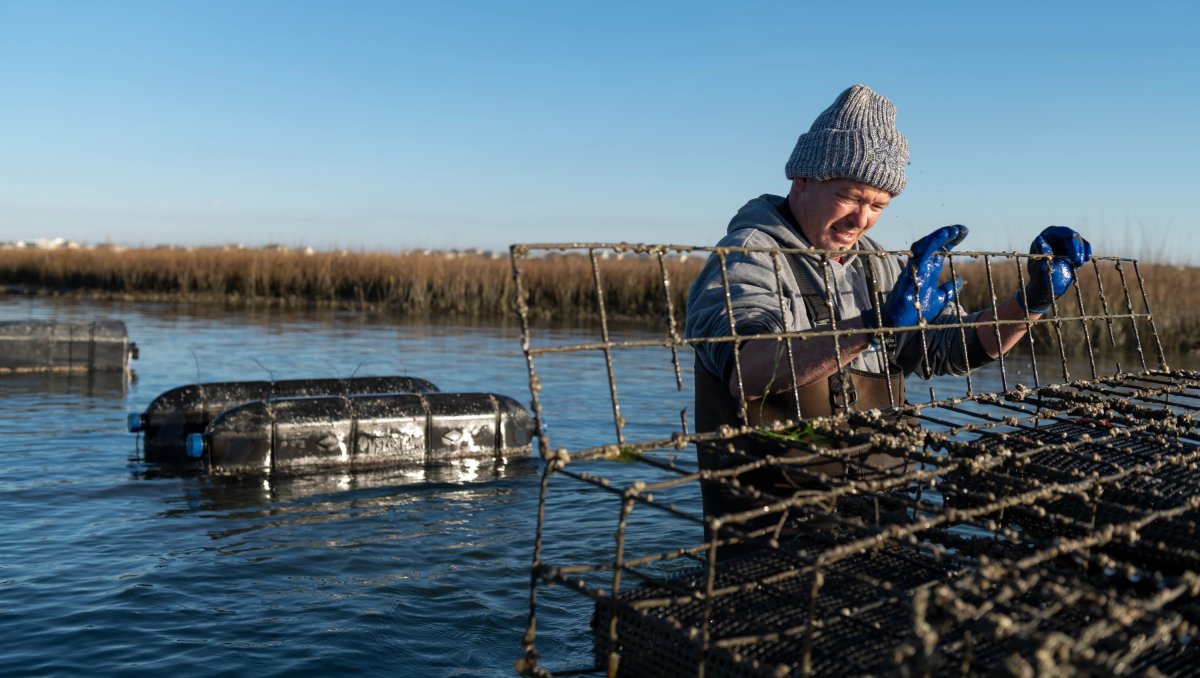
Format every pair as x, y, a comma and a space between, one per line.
855, 138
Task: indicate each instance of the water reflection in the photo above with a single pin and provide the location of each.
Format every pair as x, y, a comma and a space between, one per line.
219, 495
108, 385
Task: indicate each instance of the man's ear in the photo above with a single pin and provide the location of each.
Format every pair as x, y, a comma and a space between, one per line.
798, 185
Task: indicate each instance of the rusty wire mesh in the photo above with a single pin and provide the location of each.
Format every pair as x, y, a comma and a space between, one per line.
1048, 526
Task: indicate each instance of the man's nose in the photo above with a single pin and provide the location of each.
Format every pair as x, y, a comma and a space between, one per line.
860, 218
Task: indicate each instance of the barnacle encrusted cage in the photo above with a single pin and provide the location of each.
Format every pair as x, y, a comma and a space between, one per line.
1039, 516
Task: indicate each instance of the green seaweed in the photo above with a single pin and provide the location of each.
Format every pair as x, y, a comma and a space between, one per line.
627, 455
806, 434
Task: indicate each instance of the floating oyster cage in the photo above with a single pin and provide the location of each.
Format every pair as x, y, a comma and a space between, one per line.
185, 410
1050, 526
315, 425
300, 435
53, 346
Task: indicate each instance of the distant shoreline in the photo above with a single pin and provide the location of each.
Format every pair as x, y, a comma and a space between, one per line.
471, 284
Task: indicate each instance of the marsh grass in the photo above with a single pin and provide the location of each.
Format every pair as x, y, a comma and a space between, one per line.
1176, 317
410, 284
560, 287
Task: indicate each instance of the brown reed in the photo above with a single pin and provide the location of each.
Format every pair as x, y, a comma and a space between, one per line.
1177, 321
411, 284
472, 285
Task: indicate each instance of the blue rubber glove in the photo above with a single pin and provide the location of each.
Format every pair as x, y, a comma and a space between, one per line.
917, 296
1051, 278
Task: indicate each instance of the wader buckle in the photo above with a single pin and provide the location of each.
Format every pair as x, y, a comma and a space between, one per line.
842, 398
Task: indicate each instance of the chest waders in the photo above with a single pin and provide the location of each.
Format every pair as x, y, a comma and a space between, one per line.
848, 389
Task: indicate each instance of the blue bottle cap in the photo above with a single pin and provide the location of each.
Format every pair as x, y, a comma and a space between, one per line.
195, 445
135, 422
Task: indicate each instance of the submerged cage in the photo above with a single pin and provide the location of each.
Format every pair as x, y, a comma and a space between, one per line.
1046, 525
52, 346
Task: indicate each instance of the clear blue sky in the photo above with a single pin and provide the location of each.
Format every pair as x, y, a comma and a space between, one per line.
398, 125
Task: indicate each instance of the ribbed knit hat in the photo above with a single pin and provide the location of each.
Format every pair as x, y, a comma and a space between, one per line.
855, 138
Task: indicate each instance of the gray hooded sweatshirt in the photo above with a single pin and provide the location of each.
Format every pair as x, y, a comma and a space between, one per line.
757, 307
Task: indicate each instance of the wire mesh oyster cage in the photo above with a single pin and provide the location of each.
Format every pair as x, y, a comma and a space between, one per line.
1036, 516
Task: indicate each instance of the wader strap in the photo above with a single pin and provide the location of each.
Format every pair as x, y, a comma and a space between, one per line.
841, 394
814, 302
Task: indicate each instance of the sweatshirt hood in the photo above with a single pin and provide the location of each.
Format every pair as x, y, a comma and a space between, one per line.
762, 214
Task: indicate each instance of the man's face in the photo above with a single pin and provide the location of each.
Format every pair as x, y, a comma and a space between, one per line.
834, 214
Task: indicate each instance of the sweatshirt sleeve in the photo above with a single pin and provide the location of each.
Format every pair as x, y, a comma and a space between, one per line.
755, 304
951, 350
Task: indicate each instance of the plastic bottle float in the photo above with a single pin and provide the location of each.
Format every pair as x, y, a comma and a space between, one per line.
359, 432
175, 414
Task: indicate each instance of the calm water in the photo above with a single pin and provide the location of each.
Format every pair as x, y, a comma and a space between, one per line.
109, 568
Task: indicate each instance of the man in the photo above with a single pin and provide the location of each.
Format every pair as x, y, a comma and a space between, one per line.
844, 172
